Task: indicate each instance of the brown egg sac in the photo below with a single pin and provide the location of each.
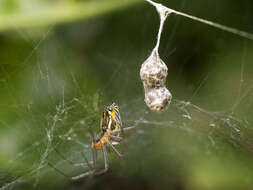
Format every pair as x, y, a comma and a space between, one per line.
157, 99
153, 74
153, 71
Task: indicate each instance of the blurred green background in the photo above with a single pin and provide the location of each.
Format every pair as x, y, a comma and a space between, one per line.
62, 61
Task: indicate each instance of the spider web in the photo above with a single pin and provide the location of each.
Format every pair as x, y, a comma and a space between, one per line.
54, 93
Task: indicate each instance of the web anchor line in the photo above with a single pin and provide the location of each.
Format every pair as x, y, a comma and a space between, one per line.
210, 23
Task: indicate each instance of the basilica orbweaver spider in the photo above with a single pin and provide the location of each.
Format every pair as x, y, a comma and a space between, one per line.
111, 133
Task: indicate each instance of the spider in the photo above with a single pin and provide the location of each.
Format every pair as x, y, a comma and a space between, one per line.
111, 133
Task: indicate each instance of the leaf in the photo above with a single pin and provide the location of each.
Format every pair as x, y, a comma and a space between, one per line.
39, 13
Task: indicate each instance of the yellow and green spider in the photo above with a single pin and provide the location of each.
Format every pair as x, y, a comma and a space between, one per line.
111, 133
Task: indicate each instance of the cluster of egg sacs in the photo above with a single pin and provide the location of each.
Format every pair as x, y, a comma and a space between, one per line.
153, 74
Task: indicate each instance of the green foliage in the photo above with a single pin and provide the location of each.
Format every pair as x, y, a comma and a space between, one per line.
32, 13
57, 74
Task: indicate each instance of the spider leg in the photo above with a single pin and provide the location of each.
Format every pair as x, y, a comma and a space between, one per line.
137, 122
90, 131
105, 160
86, 160
115, 137
129, 128
75, 165
83, 175
72, 163
94, 157
94, 151
75, 177
115, 150
93, 169
59, 171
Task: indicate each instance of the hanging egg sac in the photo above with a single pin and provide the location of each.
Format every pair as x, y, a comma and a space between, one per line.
153, 71
153, 74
